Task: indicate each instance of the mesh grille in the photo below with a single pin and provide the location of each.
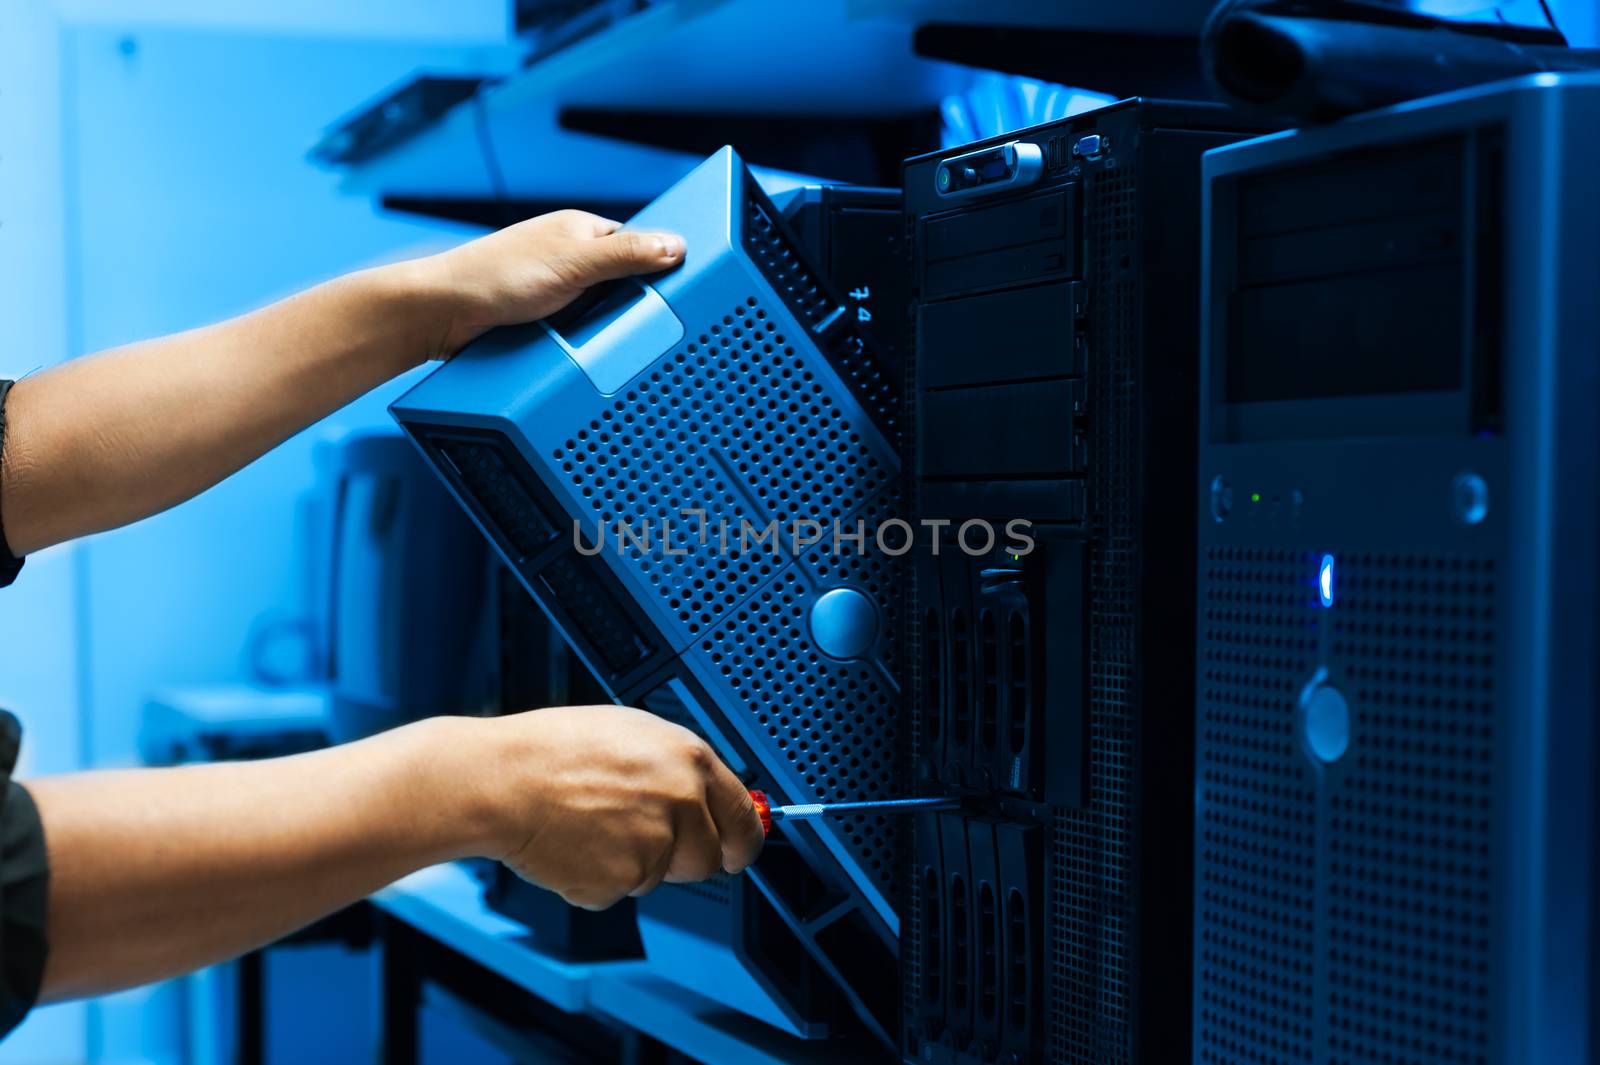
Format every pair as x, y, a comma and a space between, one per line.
835, 721
1409, 856
1256, 836
598, 617
882, 577
912, 944
811, 302
491, 479
738, 425
800, 289
1389, 916
874, 389
1089, 875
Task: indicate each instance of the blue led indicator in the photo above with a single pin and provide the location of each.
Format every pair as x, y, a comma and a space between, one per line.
1325, 580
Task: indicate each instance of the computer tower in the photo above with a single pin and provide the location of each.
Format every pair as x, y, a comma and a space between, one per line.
719, 938
1396, 658
1056, 298
728, 428
401, 626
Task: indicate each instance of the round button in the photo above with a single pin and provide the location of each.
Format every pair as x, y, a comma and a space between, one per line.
1221, 498
1326, 718
1469, 496
844, 623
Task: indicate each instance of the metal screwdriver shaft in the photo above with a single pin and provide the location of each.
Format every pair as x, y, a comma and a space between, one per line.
817, 811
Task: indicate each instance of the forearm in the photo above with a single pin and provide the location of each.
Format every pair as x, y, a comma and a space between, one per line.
99, 442
104, 441
157, 872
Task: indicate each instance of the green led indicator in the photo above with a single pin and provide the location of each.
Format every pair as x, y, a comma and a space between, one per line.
1255, 497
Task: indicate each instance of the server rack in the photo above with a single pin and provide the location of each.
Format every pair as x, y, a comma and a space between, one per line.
1054, 383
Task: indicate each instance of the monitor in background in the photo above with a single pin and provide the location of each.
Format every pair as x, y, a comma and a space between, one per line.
403, 578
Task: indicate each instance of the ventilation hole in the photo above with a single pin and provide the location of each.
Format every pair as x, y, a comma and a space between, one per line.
932, 671
988, 953
960, 943
1020, 682
1018, 991
989, 680
960, 679
933, 941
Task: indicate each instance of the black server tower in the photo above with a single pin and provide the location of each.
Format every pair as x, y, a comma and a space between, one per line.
1054, 385
1396, 853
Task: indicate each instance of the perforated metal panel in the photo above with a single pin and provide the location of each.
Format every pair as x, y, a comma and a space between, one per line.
485, 471
783, 268
738, 405
878, 839
835, 721
1392, 964
1090, 857
1409, 849
915, 917
1256, 858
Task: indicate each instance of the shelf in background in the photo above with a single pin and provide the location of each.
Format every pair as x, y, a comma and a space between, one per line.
815, 60
1131, 16
445, 903
545, 134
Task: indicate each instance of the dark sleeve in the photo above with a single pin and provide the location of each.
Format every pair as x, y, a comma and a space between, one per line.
24, 879
9, 564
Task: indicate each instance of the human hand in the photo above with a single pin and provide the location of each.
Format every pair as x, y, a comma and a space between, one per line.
600, 802
533, 269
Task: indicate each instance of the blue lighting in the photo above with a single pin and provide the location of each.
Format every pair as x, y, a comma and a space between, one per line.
1325, 580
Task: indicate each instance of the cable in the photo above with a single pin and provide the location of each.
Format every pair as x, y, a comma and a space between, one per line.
1549, 17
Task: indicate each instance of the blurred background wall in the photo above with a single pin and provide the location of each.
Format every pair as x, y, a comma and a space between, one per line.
153, 177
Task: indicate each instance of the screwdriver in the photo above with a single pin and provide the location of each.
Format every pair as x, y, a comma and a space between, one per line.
816, 811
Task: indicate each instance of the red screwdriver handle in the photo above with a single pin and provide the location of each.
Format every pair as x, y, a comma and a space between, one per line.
763, 810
